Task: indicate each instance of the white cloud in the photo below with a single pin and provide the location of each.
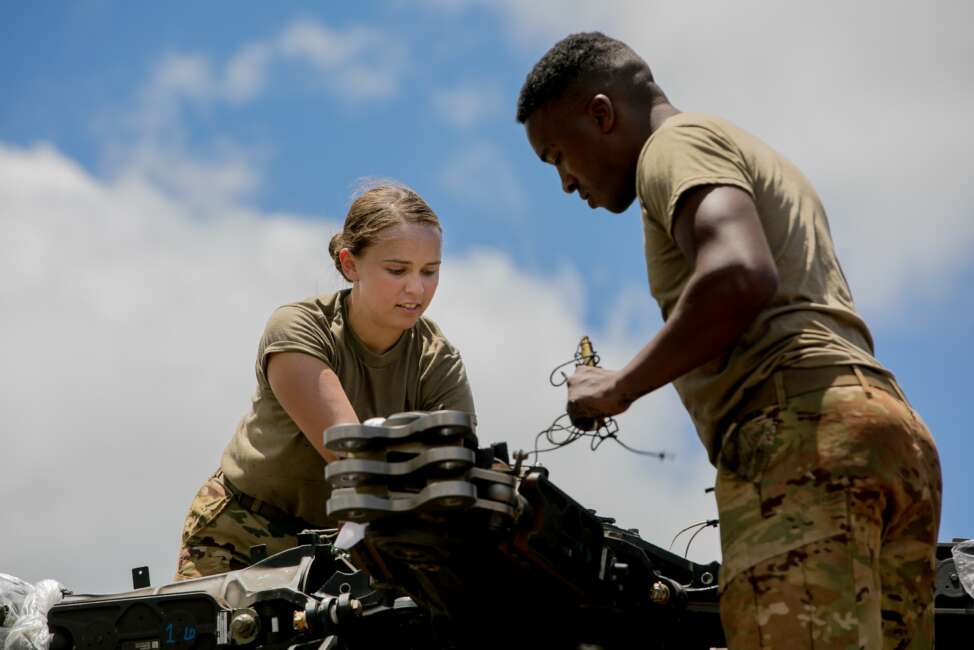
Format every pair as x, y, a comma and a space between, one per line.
360, 63
871, 99
131, 324
481, 175
245, 72
153, 143
466, 105
356, 63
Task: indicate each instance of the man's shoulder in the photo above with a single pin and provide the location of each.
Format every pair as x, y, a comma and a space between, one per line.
688, 149
686, 128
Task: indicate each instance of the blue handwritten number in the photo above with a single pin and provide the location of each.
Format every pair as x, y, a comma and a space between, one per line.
189, 633
169, 639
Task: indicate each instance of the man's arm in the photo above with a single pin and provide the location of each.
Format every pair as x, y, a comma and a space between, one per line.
734, 276
311, 394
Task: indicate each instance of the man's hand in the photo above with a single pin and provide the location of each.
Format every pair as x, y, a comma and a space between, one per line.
593, 393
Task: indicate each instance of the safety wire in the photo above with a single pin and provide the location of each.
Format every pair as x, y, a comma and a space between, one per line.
562, 432
700, 526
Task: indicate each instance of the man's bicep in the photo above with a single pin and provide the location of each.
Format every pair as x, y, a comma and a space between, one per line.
721, 223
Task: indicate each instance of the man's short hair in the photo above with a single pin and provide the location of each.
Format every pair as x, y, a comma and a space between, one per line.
576, 57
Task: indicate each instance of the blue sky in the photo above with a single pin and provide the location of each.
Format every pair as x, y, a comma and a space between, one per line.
173, 174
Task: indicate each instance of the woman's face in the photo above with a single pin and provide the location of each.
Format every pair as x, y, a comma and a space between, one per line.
394, 279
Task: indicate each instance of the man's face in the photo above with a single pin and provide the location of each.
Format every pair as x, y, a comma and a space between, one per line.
586, 153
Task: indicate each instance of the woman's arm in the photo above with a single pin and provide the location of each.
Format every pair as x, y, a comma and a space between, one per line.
311, 394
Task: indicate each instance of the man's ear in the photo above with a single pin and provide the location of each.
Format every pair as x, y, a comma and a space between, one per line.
347, 260
601, 110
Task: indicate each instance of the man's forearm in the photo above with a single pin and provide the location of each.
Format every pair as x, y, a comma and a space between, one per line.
708, 320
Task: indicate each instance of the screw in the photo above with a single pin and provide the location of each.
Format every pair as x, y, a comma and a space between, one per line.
660, 593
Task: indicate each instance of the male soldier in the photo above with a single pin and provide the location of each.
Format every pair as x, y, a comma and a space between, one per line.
828, 483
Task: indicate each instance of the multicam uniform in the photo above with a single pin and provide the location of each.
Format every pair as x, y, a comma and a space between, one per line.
828, 483
271, 481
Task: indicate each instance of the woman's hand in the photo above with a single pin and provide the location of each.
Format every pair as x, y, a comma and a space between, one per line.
594, 393
311, 394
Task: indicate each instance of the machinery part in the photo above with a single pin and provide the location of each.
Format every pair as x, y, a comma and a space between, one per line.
659, 593
947, 581
517, 553
444, 461
436, 428
438, 478
244, 626
348, 505
586, 357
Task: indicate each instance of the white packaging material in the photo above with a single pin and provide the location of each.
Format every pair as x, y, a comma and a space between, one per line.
350, 534
23, 610
963, 553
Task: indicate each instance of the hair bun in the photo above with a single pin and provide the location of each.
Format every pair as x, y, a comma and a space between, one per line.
335, 246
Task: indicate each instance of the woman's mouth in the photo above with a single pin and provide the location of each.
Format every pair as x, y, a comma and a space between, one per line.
409, 306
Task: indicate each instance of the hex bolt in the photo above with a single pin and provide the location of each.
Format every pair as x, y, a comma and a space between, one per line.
660, 593
244, 626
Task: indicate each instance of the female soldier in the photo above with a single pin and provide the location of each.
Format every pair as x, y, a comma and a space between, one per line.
339, 358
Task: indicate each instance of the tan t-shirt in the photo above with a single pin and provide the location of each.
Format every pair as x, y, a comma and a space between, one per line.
269, 457
810, 322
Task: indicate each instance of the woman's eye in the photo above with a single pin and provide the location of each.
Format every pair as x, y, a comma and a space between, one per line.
430, 272
396, 271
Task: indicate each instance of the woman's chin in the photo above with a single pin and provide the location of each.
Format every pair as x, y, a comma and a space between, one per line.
406, 318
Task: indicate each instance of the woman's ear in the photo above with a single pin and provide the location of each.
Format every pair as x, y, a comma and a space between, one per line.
347, 260
601, 110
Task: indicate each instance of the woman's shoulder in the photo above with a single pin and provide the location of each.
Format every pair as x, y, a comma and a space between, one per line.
323, 308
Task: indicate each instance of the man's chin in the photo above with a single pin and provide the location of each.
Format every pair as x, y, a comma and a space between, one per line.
620, 206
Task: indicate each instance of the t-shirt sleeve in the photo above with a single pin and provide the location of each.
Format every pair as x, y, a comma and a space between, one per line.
292, 328
445, 385
683, 157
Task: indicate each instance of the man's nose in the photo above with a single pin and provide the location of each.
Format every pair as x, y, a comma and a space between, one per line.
568, 182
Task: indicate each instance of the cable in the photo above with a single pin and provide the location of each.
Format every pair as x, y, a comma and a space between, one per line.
710, 522
677, 536
585, 355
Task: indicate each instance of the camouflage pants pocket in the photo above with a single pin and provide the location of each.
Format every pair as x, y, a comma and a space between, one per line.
812, 596
829, 507
211, 499
219, 533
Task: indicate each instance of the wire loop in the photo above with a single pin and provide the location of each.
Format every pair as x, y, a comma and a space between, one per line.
562, 432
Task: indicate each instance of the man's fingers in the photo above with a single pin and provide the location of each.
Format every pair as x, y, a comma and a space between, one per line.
581, 418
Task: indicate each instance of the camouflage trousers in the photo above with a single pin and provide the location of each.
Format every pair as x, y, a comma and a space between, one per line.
219, 531
829, 510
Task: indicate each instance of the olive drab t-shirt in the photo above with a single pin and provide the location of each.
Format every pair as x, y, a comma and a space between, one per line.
810, 322
270, 459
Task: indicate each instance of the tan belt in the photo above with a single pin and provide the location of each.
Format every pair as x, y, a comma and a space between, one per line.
790, 382
267, 510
